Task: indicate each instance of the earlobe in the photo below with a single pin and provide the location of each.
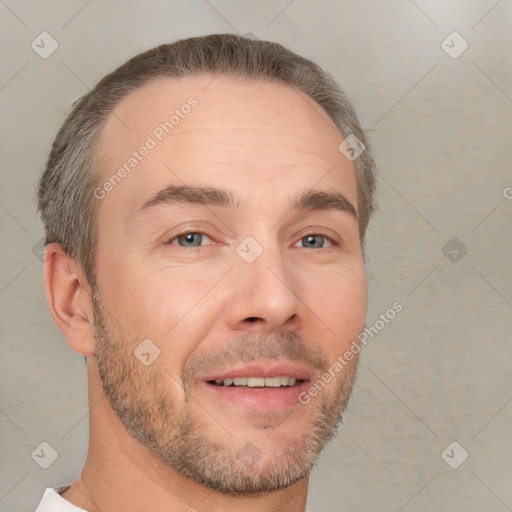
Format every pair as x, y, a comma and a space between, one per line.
69, 298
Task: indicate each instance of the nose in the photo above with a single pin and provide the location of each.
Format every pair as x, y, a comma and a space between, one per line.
264, 298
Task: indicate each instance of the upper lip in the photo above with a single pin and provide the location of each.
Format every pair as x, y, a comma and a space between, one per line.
263, 369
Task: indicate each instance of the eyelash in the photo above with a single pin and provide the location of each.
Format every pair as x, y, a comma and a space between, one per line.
170, 241
184, 233
327, 237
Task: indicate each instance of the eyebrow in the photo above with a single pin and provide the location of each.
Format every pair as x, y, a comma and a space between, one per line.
325, 201
212, 196
208, 196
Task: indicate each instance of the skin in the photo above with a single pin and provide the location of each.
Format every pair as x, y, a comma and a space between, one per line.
267, 144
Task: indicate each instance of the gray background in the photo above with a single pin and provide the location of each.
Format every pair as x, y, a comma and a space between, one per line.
440, 126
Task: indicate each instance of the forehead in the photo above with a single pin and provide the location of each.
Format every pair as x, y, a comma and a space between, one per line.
221, 99
226, 129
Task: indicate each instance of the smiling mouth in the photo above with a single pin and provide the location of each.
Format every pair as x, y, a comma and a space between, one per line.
282, 381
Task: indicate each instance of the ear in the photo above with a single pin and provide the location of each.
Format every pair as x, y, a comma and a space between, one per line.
69, 297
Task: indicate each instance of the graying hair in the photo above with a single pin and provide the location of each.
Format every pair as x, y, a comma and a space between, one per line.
66, 202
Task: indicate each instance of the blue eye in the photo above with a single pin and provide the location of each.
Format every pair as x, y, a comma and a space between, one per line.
190, 239
315, 241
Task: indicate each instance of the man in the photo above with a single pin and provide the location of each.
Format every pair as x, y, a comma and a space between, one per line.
205, 208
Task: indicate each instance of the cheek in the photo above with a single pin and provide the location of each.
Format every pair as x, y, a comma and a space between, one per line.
152, 294
176, 309
169, 301
339, 301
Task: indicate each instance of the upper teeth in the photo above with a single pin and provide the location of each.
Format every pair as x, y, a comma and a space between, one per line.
253, 382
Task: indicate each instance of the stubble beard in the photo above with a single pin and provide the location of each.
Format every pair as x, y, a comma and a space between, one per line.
192, 447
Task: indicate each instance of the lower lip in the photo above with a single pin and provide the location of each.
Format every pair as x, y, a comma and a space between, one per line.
259, 398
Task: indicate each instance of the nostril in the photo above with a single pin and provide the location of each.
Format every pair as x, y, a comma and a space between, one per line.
253, 319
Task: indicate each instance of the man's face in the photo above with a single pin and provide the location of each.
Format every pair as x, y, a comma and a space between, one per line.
248, 293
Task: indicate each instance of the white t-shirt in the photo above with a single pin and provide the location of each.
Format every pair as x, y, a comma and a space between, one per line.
53, 502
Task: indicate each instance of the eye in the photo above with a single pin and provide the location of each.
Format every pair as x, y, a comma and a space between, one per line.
315, 241
191, 239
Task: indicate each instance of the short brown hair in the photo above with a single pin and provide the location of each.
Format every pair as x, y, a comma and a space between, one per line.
66, 201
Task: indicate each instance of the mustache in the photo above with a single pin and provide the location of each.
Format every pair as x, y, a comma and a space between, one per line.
247, 349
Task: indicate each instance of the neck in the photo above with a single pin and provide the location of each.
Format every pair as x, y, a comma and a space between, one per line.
121, 474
